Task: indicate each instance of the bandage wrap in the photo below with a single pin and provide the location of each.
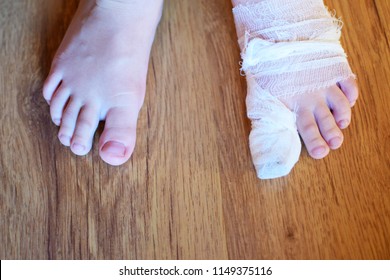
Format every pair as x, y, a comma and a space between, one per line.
288, 48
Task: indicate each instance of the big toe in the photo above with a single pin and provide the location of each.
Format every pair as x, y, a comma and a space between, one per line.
117, 141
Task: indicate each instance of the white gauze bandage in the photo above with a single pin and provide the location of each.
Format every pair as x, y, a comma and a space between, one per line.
288, 48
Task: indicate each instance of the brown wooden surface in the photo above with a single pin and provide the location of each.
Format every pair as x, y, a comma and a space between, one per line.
189, 191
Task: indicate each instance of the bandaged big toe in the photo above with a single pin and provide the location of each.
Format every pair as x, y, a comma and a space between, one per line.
288, 48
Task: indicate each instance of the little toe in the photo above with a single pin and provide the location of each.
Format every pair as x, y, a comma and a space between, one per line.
86, 125
50, 85
340, 107
330, 132
118, 138
308, 129
68, 122
58, 103
350, 89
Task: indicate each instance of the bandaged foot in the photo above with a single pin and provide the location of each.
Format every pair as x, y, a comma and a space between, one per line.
99, 73
299, 80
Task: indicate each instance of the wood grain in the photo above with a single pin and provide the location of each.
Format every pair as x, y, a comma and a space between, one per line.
190, 190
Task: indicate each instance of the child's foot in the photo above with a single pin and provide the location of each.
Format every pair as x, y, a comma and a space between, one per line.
321, 116
99, 73
290, 47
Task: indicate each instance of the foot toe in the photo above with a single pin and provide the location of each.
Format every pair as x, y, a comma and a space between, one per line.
68, 122
328, 128
350, 89
51, 84
86, 125
308, 129
340, 106
58, 103
119, 145
118, 138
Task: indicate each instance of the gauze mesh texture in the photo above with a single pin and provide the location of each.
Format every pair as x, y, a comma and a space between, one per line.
288, 48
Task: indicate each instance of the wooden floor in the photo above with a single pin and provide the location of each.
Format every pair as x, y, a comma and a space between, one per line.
190, 190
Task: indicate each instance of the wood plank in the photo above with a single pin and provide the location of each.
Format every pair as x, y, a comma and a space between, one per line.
190, 190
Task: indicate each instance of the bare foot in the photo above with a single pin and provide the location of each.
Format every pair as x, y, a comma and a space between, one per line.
322, 115
99, 73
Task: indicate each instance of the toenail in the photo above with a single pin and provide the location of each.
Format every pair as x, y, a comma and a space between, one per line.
78, 147
319, 151
114, 148
335, 142
343, 123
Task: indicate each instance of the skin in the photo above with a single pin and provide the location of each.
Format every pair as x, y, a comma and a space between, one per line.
99, 74
322, 114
